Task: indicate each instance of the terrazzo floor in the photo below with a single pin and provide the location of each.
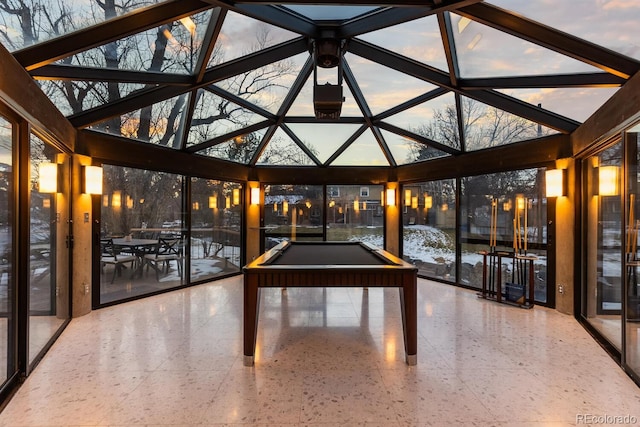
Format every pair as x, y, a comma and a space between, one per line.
325, 357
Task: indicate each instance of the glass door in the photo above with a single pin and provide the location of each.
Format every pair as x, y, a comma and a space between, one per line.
48, 269
631, 355
604, 250
8, 365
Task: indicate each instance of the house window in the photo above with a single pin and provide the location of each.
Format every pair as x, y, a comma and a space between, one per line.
364, 191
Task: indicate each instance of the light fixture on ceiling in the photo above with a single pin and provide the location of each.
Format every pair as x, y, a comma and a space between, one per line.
327, 98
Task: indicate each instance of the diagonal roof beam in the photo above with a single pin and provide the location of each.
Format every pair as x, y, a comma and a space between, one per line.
144, 97
113, 29
75, 73
437, 77
546, 81
396, 15
553, 39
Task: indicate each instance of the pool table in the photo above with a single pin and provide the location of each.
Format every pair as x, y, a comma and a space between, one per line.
329, 264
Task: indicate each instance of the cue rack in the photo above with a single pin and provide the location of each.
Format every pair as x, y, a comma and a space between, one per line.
515, 287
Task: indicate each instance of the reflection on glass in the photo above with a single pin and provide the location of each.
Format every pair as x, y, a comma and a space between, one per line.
49, 16
435, 119
604, 245
574, 103
7, 364
292, 212
383, 87
405, 150
215, 228
418, 39
215, 116
364, 151
48, 271
173, 47
491, 127
158, 124
619, 19
632, 344
283, 151
355, 213
515, 202
142, 224
486, 52
241, 35
240, 149
429, 228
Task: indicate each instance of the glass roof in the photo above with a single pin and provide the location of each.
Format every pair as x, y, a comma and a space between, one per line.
238, 82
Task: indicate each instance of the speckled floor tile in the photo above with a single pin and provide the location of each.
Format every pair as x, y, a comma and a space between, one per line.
324, 358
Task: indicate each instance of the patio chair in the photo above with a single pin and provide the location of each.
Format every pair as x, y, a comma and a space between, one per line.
110, 256
167, 250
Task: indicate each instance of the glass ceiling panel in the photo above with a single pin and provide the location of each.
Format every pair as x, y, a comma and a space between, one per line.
241, 35
72, 97
612, 24
574, 103
406, 151
303, 104
323, 13
214, 116
240, 149
435, 119
486, 126
157, 124
418, 39
267, 86
53, 18
170, 48
382, 87
364, 151
323, 139
485, 52
283, 151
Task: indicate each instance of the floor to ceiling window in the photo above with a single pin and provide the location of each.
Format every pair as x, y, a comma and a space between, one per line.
355, 212
429, 227
7, 290
142, 233
603, 224
49, 301
515, 204
292, 212
631, 355
216, 222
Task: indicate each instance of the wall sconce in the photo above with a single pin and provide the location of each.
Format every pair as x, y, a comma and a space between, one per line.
92, 180
391, 197
48, 177
445, 207
608, 180
285, 207
407, 198
554, 182
227, 203
236, 196
308, 204
213, 202
255, 196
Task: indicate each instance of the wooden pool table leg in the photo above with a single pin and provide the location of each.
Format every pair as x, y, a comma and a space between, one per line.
408, 301
251, 307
